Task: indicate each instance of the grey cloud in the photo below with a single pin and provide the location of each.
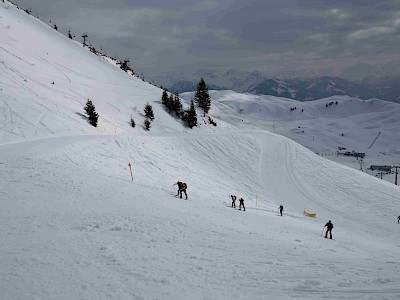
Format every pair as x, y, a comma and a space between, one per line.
275, 36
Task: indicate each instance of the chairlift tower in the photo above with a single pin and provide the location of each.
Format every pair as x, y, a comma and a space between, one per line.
84, 36
361, 163
395, 178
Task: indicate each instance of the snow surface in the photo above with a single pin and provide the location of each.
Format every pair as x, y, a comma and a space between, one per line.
73, 225
320, 128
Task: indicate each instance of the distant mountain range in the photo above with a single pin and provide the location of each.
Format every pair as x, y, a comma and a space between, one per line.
190, 86
312, 88
303, 89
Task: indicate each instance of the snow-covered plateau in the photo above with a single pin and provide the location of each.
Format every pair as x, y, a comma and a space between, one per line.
74, 224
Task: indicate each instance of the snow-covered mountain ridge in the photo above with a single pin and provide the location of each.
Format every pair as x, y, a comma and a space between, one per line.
302, 89
76, 225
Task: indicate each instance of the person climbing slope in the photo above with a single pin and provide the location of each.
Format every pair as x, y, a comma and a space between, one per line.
241, 203
182, 186
233, 201
281, 210
329, 227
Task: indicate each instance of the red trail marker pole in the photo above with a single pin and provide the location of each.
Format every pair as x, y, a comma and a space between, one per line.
130, 169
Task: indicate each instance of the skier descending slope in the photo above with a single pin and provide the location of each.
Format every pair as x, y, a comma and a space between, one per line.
329, 227
398, 220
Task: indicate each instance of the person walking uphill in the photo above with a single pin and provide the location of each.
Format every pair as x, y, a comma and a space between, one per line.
281, 210
233, 201
241, 203
182, 186
329, 227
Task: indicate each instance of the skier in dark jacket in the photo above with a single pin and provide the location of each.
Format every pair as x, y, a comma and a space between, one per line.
398, 220
329, 227
233, 201
281, 210
241, 203
182, 186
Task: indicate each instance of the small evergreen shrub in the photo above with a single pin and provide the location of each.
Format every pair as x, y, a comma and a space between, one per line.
147, 124
90, 110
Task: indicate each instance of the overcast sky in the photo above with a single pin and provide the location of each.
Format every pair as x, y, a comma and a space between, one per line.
278, 37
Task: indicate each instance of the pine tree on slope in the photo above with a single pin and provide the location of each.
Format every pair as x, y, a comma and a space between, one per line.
147, 124
190, 116
170, 104
164, 98
202, 97
90, 110
148, 111
177, 105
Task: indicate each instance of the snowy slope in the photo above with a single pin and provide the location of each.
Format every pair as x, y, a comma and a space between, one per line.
74, 226
34, 107
368, 126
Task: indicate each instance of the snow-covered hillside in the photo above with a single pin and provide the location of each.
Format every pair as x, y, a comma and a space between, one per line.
366, 126
73, 225
33, 56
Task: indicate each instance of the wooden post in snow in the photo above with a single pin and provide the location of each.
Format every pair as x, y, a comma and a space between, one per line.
130, 169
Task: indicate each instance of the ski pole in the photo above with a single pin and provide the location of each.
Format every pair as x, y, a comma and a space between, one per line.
322, 230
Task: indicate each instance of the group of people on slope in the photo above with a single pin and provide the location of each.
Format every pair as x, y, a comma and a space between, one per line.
182, 186
241, 203
329, 225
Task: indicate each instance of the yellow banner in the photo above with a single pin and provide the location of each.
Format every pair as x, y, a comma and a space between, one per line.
310, 215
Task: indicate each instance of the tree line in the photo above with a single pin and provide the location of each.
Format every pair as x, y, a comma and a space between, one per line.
172, 104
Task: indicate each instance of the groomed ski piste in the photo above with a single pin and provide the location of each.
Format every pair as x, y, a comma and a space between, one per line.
73, 224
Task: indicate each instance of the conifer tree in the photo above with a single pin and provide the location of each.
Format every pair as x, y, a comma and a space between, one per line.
164, 98
202, 97
171, 102
147, 124
90, 110
190, 116
148, 111
177, 105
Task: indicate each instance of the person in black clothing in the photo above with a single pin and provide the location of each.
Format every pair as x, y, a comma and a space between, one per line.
329, 227
241, 203
233, 201
182, 186
398, 220
281, 209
